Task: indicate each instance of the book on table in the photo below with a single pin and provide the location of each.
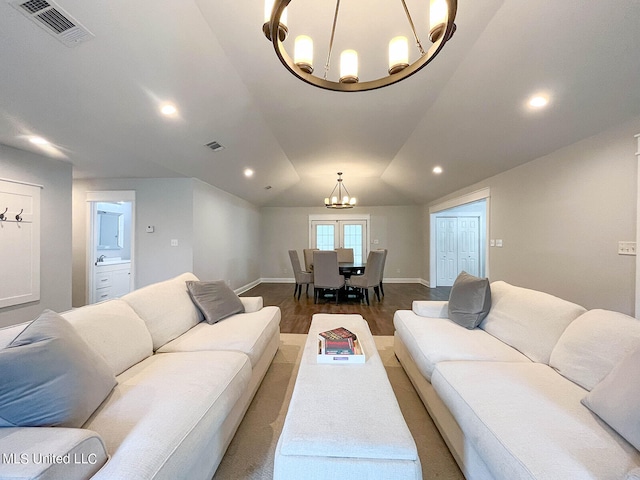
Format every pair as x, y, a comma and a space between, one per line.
339, 345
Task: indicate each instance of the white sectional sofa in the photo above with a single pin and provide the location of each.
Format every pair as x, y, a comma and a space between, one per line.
182, 387
506, 396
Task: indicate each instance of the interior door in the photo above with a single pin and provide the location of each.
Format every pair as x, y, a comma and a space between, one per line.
469, 245
447, 250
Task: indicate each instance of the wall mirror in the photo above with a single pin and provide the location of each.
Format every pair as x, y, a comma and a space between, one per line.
110, 230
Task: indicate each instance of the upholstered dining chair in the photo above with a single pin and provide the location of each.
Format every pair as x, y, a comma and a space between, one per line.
345, 255
302, 277
384, 261
326, 273
371, 277
308, 258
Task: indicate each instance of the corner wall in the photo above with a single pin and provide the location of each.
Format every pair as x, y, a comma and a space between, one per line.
561, 217
55, 230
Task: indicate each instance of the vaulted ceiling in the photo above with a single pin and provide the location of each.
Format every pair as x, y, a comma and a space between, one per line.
98, 102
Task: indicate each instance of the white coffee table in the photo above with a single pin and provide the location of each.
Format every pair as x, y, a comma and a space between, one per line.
344, 420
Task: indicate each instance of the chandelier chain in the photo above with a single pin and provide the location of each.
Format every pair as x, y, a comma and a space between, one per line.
413, 28
333, 34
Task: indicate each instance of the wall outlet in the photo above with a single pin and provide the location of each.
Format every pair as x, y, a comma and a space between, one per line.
174, 242
499, 242
626, 248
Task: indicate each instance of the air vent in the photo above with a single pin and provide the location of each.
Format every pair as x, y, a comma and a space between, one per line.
54, 20
215, 146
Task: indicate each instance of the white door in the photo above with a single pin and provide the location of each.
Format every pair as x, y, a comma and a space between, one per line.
447, 250
331, 234
469, 245
457, 247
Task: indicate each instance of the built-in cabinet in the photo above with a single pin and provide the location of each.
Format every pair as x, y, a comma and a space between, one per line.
111, 281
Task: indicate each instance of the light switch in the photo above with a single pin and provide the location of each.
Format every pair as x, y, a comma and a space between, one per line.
492, 242
498, 242
626, 248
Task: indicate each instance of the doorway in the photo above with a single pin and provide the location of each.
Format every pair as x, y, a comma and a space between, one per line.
110, 244
328, 232
458, 238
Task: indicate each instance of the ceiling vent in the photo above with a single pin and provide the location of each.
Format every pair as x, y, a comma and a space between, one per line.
54, 20
215, 146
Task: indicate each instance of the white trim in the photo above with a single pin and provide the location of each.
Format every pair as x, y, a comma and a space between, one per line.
248, 286
20, 182
637, 300
112, 196
482, 194
463, 200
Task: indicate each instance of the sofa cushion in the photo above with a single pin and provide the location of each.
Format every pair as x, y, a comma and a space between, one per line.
166, 308
215, 300
49, 376
528, 422
593, 344
528, 320
163, 412
113, 330
470, 300
434, 340
248, 333
616, 399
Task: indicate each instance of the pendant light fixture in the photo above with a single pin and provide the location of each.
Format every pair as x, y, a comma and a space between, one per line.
341, 198
442, 14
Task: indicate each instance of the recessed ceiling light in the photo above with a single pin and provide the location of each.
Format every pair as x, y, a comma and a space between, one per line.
538, 101
38, 141
248, 172
437, 170
168, 110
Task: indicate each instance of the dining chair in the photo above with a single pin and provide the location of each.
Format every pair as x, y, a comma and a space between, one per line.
302, 277
345, 255
371, 277
384, 261
308, 258
326, 273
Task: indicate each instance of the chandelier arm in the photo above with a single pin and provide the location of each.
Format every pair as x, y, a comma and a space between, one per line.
413, 28
333, 34
423, 61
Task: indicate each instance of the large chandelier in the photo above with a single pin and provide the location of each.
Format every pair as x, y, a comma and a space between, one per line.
342, 199
442, 14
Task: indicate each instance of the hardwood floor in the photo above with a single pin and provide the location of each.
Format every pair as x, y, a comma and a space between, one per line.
296, 314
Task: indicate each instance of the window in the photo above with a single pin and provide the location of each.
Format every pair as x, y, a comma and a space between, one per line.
328, 233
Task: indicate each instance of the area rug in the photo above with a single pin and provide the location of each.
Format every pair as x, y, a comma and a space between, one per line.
251, 452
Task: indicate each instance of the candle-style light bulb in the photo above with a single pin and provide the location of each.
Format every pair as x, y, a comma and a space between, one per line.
398, 54
349, 66
303, 53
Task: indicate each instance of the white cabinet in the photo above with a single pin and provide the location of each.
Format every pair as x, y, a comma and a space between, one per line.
111, 281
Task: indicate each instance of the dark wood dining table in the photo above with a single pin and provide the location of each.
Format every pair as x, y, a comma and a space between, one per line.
351, 268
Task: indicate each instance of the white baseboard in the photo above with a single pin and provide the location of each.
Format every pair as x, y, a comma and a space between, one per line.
248, 286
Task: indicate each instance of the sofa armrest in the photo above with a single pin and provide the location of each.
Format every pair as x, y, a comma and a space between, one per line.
49, 453
431, 308
252, 304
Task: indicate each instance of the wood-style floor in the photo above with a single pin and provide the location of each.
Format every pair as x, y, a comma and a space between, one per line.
296, 314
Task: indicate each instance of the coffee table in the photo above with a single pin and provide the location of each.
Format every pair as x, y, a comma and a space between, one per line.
344, 420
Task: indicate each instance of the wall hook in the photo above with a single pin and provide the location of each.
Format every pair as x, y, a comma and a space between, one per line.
18, 216
2, 216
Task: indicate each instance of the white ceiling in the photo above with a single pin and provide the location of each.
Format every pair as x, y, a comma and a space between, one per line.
98, 102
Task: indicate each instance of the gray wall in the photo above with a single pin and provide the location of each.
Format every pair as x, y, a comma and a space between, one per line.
217, 233
226, 239
55, 230
561, 217
398, 229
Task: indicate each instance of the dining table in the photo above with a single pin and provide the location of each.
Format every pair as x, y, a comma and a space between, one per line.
351, 268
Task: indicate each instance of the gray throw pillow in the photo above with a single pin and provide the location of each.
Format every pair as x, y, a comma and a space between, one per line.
215, 300
469, 300
49, 376
616, 399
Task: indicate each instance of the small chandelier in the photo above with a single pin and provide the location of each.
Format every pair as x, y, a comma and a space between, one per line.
340, 200
442, 27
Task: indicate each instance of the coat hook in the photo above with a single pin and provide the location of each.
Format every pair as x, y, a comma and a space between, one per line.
2, 217
18, 217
